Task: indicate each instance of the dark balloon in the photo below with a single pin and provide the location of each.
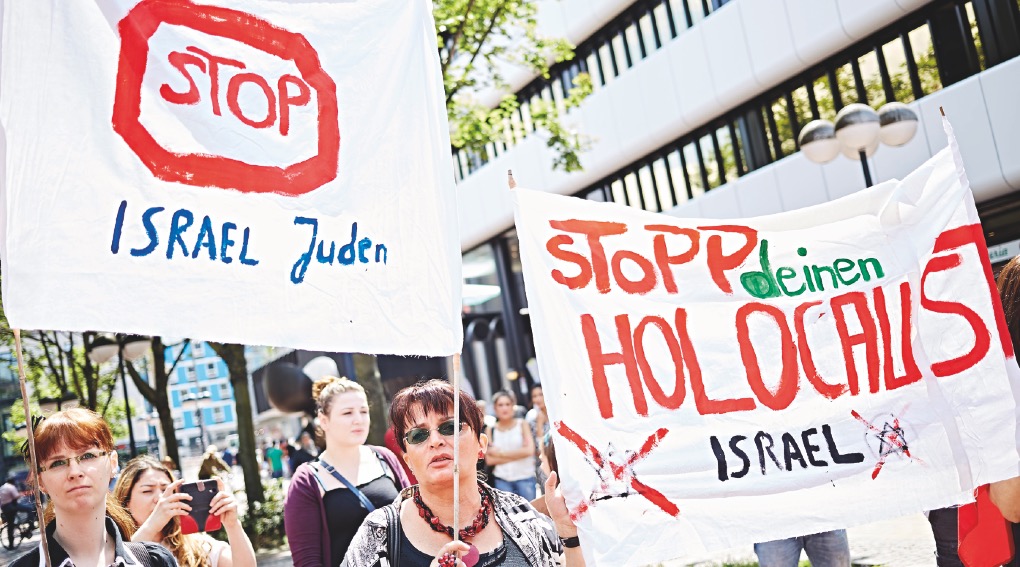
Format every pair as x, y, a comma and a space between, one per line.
289, 389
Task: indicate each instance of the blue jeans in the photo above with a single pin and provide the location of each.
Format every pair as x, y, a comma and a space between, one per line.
827, 549
524, 488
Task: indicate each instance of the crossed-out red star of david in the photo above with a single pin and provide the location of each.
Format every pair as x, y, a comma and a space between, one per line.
610, 471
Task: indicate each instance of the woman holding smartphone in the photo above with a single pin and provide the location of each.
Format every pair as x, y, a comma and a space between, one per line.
149, 492
75, 462
328, 498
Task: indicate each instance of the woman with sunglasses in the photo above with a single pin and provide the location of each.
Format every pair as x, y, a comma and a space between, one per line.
495, 527
149, 492
84, 524
328, 498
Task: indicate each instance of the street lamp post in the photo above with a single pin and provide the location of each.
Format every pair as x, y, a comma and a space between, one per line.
191, 401
857, 133
126, 347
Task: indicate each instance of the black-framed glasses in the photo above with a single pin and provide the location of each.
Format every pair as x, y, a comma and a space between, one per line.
420, 435
88, 459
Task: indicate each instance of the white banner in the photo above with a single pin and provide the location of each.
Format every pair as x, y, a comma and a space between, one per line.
260, 172
719, 383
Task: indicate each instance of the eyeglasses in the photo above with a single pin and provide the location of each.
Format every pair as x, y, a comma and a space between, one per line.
420, 435
88, 459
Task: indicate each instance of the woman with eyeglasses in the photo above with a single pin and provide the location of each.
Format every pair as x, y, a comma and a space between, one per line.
149, 492
328, 498
495, 527
84, 524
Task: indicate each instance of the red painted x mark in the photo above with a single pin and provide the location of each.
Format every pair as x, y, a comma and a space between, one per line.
617, 472
891, 435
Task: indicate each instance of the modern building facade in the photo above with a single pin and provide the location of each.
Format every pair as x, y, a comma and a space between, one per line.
696, 110
201, 398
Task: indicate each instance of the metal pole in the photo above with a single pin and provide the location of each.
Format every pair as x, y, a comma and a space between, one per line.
864, 165
127, 401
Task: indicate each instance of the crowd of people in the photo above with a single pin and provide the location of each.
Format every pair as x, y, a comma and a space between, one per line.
357, 505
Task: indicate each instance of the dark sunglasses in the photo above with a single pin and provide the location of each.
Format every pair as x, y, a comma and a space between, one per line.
420, 435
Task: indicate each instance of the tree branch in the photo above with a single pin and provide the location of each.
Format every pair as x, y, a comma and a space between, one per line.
478, 49
457, 36
180, 355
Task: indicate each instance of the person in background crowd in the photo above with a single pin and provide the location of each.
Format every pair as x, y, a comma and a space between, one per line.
75, 462
538, 419
9, 495
329, 497
298, 455
211, 464
511, 451
274, 456
228, 457
306, 442
171, 466
148, 491
502, 527
824, 549
1006, 494
488, 420
548, 465
390, 440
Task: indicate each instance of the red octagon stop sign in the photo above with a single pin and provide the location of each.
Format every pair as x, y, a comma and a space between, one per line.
138, 27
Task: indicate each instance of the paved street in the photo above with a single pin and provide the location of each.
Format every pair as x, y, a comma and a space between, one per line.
903, 542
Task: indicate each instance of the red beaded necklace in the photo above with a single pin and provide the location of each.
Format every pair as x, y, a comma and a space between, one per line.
481, 519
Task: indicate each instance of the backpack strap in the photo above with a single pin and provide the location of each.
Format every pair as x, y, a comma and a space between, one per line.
140, 552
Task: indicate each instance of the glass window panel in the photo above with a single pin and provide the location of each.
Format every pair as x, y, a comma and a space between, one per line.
516, 128
768, 135
975, 34
676, 170
727, 150
738, 146
896, 62
633, 193
872, 77
847, 87
823, 96
662, 22
802, 106
698, 11
924, 57
596, 194
679, 18
783, 126
661, 173
711, 163
648, 189
593, 70
607, 63
648, 33
633, 42
621, 53
619, 192
529, 126
693, 170
558, 95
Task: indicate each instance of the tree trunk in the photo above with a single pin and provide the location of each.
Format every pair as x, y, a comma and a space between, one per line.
159, 396
233, 356
166, 426
368, 376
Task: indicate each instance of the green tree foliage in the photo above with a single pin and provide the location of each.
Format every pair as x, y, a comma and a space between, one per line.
476, 38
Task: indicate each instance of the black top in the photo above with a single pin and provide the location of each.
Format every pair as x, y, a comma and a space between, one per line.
158, 556
344, 512
506, 555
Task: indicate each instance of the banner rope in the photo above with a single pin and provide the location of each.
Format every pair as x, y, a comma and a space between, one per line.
34, 464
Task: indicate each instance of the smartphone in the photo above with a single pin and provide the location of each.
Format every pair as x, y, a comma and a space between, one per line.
199, 519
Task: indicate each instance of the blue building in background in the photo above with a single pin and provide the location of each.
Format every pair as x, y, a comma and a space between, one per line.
201, 398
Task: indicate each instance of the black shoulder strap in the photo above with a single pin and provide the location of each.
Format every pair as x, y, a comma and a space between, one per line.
140, 552
393, 535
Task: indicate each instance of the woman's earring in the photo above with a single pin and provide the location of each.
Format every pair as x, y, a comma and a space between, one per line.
481, 454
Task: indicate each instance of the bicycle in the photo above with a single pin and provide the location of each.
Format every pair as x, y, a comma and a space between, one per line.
24, 525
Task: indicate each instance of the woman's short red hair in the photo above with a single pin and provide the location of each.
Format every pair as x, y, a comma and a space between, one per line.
79, 429
434, 396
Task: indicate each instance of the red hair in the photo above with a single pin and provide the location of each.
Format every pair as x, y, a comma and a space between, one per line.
79, 429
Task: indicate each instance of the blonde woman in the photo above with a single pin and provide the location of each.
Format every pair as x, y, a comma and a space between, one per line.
149, 492
328, 498
511, 451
